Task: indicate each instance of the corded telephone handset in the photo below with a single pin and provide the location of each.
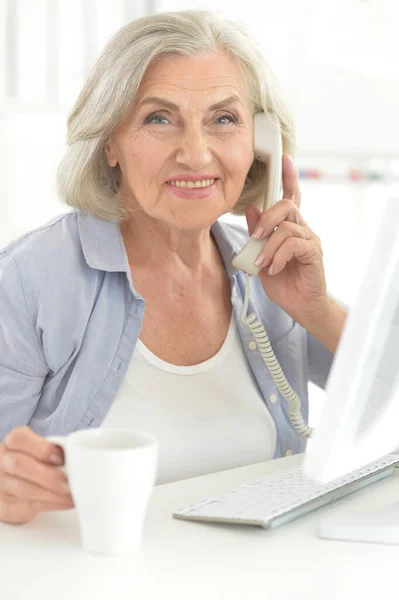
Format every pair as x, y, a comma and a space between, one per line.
268, 149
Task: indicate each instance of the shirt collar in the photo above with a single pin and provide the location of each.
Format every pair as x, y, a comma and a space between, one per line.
104, 249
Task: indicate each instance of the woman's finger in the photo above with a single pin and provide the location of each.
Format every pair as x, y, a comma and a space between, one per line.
283, 232
23, 439
17, 511
285, 210
45, 507
304, 251
25, 467
291, 189
20, 488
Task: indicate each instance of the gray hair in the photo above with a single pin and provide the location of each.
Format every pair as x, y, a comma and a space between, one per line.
84, 178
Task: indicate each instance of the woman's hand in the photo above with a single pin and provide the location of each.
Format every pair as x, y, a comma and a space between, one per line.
293, 251
29, 484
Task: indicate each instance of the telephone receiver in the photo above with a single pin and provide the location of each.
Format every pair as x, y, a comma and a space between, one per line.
268, 149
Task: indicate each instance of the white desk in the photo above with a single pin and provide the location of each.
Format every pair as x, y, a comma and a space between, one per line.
191, 560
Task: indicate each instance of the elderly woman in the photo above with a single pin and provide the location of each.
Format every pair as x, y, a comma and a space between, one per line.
126, 310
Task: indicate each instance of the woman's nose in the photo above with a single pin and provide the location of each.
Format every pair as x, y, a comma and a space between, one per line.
194, 148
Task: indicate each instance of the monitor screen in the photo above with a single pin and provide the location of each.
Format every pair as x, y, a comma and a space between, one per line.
360, 420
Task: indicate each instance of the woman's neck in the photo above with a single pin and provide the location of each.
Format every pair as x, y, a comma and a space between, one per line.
157, 248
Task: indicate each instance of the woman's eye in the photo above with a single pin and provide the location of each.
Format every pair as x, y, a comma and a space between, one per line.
230, 117
151, 118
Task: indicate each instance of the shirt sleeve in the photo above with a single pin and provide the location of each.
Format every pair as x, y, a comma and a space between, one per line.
320, 359
23, 368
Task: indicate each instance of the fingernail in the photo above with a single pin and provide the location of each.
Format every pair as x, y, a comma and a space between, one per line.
259, 261
292, 167
55, 459
258, 233
64, 487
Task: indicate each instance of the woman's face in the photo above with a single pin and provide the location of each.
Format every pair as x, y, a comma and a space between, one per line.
157, 142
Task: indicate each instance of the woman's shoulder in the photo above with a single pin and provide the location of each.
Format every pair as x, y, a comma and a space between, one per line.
46, 284
49, 257
35, 244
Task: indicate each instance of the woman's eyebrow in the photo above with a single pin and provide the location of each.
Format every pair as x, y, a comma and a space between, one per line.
154, 100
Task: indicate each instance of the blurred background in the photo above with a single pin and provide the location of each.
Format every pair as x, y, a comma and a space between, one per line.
337, 62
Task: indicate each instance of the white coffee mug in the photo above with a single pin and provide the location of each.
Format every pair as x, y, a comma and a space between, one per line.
111, 474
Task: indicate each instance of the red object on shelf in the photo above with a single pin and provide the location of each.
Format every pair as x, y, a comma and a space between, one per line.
313, 174
355, 175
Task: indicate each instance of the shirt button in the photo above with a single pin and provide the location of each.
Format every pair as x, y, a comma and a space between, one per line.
273, 398
288, 453
252, 345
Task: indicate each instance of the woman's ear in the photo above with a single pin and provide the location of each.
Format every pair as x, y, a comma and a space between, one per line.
111, 154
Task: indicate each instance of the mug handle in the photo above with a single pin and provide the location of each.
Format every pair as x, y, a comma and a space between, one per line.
60, 441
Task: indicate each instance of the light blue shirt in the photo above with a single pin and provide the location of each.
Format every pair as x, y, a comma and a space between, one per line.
70, 318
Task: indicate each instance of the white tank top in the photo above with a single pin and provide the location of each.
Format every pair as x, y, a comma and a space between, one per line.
207, 417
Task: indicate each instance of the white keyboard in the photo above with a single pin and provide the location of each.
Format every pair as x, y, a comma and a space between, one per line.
277, 498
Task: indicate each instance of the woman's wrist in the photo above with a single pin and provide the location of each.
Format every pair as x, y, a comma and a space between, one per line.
327, 324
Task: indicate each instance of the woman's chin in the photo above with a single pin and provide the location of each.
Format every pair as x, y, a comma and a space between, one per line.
194, 222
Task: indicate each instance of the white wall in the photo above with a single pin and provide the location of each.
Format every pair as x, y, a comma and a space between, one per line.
337, 62
44, 62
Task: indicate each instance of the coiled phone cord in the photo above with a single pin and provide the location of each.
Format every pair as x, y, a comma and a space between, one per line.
272, 364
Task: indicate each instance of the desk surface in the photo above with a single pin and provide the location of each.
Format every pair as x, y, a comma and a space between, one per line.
192, 560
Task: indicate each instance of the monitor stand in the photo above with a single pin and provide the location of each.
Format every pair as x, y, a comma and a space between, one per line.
378, 526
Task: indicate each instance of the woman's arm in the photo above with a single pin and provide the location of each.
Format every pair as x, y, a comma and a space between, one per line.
322, 343
22, 367
327, 325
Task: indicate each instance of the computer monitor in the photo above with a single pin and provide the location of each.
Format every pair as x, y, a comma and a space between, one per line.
360, 419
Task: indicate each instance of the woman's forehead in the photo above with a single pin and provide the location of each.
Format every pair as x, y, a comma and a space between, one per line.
195, 72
